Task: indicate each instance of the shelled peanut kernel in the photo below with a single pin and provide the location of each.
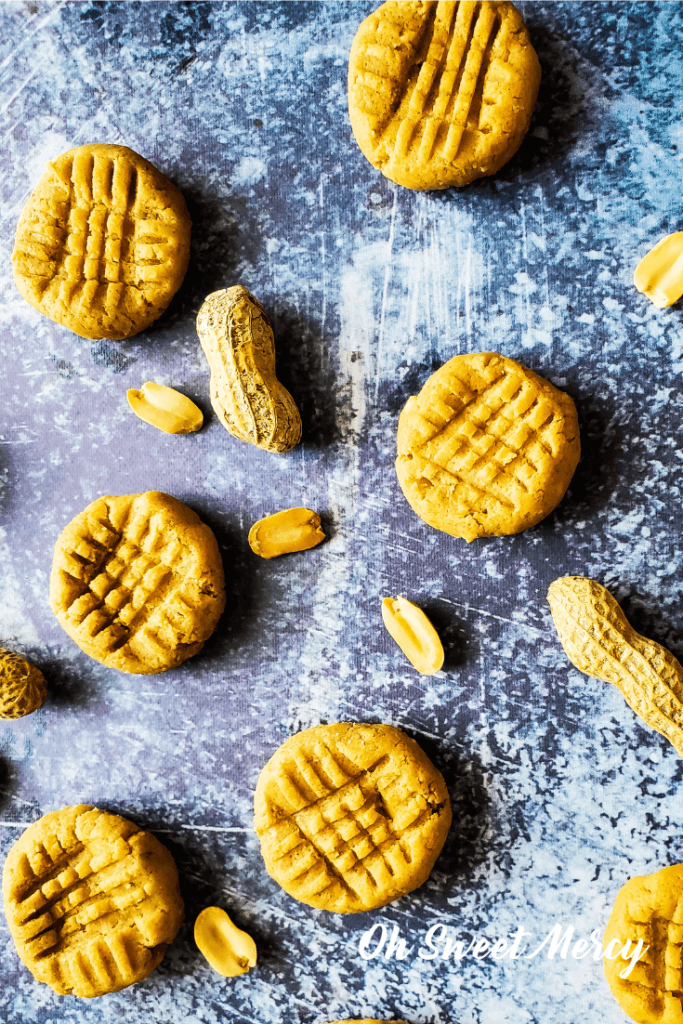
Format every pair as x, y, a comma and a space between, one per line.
293, 529
414, 634
165, 408
228, 949
659, 275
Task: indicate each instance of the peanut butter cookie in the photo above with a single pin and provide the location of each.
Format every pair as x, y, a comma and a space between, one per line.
350, 816
649, 910
103, 242
137, 581
487, 448
441, 93
91, 901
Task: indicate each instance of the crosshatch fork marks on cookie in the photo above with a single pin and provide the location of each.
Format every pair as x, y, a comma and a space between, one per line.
445, 98
662, 970
101, 244
441, 92
89, 898
123, 581
495, 441
137, 581
437, 94
487, 448
101, 239
648, 911
348, 826
342, 835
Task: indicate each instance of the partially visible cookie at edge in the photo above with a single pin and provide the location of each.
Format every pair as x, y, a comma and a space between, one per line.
350, 816
137, 581
91, 900
441, 93
487, 448
103, 242
648, 909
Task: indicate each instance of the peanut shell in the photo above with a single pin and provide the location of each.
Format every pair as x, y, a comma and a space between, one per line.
599, 641
246, 395
22, 686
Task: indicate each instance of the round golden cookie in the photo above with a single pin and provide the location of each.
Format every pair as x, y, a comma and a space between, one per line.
91, 901
103, 242
487, 447
137, 581
648, 908
441, 93
350, 816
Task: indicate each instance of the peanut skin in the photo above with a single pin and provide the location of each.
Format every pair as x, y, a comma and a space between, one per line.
246, 395
599, 641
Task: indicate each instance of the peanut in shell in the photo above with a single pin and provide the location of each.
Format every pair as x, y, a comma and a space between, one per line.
247, 397
22, 686
599, 641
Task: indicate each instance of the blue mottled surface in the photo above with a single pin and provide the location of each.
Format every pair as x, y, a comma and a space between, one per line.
560, 793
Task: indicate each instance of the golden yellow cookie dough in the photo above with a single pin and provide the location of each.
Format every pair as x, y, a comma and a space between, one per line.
91, 901
487, 447
103, 242
648, 908
441, 93
350, 816
137, 581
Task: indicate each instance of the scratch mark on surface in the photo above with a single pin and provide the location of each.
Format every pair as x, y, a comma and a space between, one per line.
30, 35
408, 551
17, 798
21, 88
468, 288
525, 263
322, 257
269, 909
199, 828
385, 292
491, 615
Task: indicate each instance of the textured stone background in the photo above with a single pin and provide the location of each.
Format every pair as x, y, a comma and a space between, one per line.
560, 794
